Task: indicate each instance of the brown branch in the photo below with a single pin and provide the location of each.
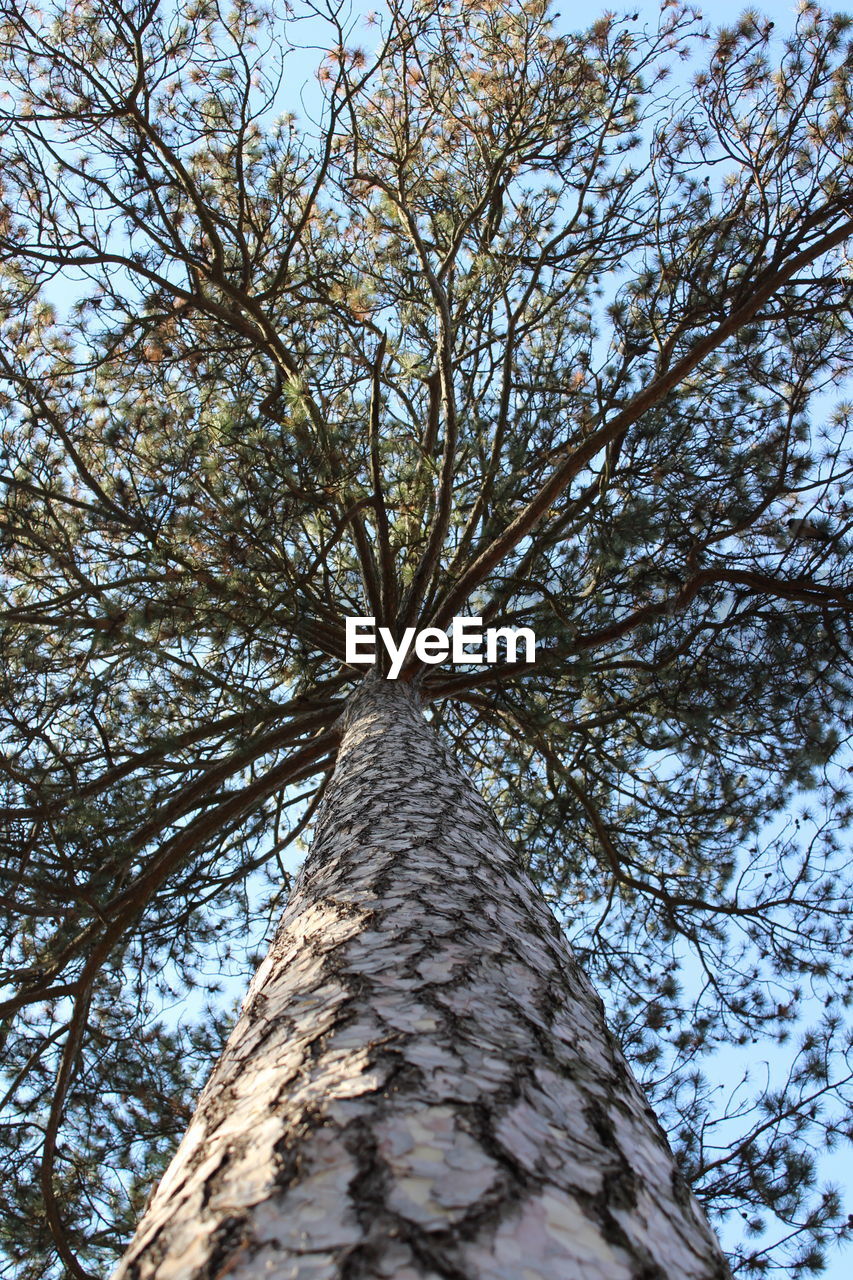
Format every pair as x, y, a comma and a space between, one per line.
388, 577
441, 521
765, 286
121, 911
67, 1066
802, 589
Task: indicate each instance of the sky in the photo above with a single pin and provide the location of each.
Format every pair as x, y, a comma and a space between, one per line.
838, 1167
301, 93
729, 1066
301, 69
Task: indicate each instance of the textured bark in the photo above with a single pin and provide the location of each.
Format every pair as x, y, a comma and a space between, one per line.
421, 1083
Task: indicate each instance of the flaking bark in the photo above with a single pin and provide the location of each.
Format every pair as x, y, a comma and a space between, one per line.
421, 1083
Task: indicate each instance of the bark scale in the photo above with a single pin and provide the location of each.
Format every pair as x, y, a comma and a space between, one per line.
421, 1085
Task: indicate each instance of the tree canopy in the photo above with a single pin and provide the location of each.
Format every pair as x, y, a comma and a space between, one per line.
525, 325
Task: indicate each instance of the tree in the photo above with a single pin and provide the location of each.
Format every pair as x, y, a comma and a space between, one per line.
421, 1082
516, 331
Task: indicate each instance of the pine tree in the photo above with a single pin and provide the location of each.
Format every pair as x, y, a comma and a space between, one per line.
517, 329
422, 1082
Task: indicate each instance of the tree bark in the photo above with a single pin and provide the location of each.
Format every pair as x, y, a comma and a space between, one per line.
421, 1083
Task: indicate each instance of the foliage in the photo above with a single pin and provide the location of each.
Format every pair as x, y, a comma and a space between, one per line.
515, 329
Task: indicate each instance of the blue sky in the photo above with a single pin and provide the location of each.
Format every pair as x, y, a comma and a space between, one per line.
301, 69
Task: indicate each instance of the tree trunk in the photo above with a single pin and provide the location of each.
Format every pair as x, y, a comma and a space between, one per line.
421, 1084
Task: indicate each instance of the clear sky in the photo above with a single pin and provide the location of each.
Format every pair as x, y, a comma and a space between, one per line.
300, 72
728, 1068
301, 93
